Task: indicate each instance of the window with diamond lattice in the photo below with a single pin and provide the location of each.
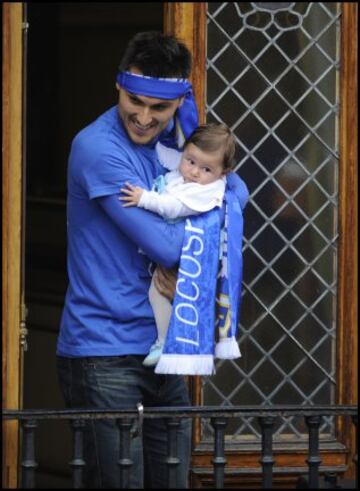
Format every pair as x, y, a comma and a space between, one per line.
273, 77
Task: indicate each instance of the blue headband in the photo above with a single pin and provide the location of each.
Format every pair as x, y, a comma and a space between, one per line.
166, 88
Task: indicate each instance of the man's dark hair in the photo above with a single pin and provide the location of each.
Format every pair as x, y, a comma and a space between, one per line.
157, 55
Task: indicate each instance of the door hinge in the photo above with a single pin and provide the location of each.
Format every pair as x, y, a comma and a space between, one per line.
23, 329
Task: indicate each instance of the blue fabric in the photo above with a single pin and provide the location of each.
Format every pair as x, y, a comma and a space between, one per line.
187, 118
140, 229
121, 382
229, 283
159, 184
161, 88
190, 330
107, 311
190, 343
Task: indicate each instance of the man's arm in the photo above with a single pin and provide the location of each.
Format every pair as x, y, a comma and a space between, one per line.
160, 241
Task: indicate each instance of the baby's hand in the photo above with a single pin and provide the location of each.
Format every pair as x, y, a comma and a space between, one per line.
133, 195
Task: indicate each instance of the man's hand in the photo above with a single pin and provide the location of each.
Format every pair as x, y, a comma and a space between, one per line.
165, 281
133, 195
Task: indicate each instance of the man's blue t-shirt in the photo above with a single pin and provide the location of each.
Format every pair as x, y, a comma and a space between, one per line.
106, 310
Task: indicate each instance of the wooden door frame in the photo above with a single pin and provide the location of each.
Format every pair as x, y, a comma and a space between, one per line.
187, 21
12, 120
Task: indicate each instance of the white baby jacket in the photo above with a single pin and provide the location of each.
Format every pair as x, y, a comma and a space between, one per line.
180, 199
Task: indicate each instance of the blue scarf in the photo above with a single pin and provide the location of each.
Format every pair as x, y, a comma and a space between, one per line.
206, 306
186, 117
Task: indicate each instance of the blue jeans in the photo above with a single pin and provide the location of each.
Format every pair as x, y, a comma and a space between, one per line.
117, 382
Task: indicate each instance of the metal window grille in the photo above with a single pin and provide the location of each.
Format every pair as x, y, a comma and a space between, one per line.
273, 78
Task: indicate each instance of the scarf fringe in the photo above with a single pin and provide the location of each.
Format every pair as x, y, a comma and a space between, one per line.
180, 364
227, 349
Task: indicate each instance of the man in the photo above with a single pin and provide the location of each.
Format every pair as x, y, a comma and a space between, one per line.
107, 325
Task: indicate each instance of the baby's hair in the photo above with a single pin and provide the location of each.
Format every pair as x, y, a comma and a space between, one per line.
212, 137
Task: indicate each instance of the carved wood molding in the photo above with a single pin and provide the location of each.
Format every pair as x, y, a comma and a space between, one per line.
347, 351
12, 213
187, 21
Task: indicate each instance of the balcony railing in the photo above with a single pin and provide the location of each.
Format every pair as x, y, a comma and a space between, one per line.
128, 419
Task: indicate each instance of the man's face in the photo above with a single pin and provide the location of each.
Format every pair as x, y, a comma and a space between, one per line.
144, 118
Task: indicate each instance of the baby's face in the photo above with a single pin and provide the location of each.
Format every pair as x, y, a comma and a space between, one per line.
199, 166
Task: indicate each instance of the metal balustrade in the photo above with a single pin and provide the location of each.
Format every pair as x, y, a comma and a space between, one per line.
127, 419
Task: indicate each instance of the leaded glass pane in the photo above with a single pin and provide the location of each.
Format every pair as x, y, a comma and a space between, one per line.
273, 77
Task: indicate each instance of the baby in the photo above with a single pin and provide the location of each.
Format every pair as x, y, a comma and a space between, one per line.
195, 184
